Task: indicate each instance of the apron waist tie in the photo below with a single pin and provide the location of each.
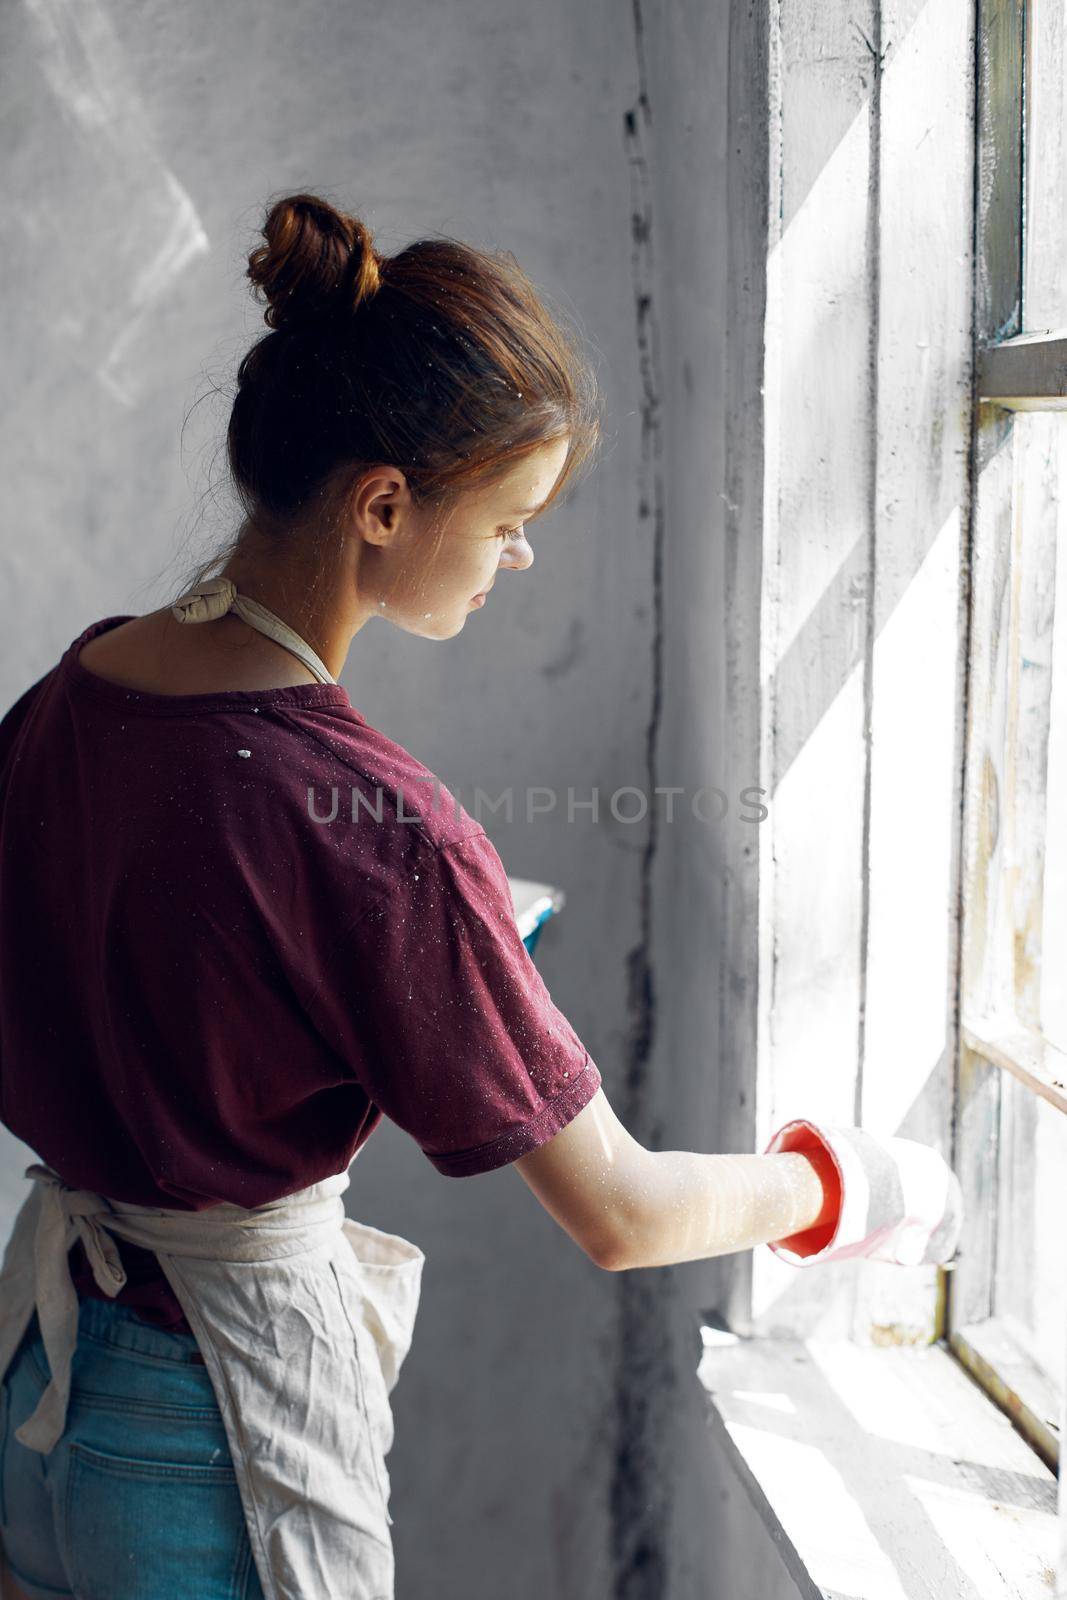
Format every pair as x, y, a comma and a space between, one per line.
65, 1215
285, 1227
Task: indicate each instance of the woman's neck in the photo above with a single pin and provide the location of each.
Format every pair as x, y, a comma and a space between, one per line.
317, 597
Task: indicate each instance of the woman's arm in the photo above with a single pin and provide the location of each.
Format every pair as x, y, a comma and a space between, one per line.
631, 1207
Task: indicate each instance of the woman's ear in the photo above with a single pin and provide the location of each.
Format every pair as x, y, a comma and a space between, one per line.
379, 503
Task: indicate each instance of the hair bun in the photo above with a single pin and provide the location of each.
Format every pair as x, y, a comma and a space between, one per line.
315, 259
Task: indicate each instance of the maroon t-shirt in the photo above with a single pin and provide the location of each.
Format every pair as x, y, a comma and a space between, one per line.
219, 968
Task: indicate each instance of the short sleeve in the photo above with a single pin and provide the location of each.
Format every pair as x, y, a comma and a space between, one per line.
452, 1031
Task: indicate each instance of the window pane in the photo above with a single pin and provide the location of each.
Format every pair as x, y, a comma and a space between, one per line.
1045, 292
1030, 1292
1046, 437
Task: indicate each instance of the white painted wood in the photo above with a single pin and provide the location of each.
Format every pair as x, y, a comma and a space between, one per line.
866, 392
816, 532
883, 1474
1023, 1052
1011, 1265
1010, 1292
916, 663
873, 298
986, 930
1002, 1364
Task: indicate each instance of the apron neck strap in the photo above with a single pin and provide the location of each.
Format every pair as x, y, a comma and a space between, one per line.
214, 597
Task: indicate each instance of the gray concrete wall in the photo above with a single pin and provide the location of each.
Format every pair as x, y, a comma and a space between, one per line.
549, 1434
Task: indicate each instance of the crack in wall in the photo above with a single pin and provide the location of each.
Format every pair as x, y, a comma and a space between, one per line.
639, 1495
641, 998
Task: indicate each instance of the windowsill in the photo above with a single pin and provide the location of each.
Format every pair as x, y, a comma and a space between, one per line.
881, 1474
1004, 1366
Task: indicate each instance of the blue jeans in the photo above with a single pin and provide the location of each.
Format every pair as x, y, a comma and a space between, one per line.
138, 1500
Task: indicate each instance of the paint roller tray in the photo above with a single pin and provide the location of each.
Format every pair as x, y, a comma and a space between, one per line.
534, 903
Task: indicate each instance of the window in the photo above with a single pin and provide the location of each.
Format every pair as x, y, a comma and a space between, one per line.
1007, 1309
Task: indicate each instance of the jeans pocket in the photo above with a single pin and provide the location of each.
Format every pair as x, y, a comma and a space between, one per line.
137, 1530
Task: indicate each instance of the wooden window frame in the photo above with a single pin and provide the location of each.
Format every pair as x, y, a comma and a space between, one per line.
1015, 371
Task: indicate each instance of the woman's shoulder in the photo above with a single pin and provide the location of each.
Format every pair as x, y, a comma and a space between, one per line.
357, 777
366, 824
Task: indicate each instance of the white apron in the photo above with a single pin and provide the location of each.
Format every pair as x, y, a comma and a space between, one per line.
302, 1315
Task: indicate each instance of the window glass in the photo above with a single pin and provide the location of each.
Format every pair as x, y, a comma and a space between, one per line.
1030, 1293
1044, 233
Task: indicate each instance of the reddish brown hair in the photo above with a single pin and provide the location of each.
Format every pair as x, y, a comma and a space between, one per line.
442, 360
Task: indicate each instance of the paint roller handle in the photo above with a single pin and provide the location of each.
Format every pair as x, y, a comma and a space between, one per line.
899, 1201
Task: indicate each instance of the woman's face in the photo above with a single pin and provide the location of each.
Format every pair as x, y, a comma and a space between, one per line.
433, 594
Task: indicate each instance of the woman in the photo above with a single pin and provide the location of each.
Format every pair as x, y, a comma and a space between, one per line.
238, 925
